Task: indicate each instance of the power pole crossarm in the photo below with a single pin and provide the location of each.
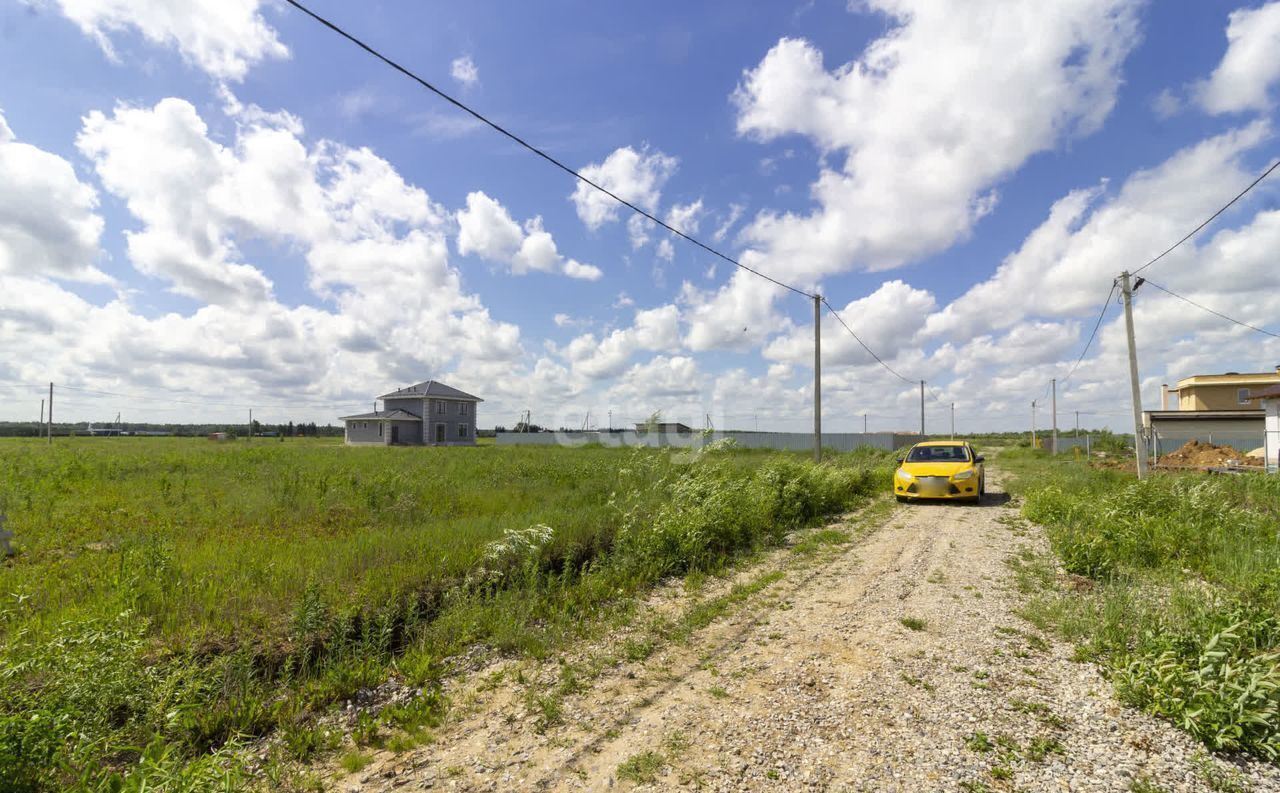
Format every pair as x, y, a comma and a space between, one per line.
1139, 442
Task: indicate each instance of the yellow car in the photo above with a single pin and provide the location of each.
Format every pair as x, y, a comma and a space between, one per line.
940, 469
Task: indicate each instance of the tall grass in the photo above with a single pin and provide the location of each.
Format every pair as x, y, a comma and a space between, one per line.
1184, 604
173, 597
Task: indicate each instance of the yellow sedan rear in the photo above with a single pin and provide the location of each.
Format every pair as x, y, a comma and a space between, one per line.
948, 470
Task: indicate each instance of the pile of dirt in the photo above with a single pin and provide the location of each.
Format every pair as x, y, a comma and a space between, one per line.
1205, 455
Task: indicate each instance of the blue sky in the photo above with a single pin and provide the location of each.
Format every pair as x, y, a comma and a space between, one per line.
224, 202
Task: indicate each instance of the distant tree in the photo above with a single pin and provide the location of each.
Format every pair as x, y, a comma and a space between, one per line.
291, 429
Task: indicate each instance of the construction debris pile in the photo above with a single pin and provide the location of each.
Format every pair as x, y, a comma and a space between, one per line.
1198, 454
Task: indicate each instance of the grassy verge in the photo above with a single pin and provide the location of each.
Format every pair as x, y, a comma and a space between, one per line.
1173, 584
173, 599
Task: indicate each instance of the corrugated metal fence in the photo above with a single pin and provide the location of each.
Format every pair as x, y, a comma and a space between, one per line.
786, 441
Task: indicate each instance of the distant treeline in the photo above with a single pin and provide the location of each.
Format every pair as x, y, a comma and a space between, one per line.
31, 429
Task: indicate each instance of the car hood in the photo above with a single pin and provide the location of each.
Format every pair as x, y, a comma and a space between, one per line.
936, 469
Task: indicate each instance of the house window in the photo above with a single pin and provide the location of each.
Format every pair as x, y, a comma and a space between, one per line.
462, 408
1242, 396
440, 408
462, 430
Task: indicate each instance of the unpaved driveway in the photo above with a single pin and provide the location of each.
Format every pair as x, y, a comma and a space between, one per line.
892, 661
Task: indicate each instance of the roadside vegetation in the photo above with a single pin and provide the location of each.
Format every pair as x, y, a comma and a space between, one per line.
173, 600
1172, 584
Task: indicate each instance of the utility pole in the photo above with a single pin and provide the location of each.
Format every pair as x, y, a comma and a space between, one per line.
922, 408
41, 418
610, 421
1077, 424
953, 421
250, 424
51, 414
864, 423
1139, 443
1033, 424
817, 378
1055, 415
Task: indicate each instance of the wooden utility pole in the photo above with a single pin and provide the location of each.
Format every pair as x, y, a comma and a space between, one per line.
1055, 415
817, 378
922, 408
1139, 442
51, 414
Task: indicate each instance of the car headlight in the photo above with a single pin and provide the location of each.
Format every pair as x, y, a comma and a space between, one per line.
904, 475
964, 474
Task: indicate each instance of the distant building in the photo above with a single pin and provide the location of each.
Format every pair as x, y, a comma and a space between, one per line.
664, 427
1211, 408
426, 414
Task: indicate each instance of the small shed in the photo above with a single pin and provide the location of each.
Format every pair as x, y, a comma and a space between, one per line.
1270, 401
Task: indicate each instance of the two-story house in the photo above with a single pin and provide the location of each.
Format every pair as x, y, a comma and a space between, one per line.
1213, 408
426, 414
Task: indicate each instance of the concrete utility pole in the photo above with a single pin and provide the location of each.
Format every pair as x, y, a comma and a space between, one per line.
51, 414
817, 378
1033, 424
864, 423
41, 418
610, 421
921, 407
1139, 442
953, 421
250, 423
1077, 424
1055, 415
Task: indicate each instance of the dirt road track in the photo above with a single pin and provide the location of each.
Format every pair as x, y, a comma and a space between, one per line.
893, 661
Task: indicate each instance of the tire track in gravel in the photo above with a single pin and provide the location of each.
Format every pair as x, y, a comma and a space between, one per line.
818, 682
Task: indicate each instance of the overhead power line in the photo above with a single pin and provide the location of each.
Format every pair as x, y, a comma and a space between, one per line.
1212, 217
870, 351
1105, 305
539, 152
1171, 293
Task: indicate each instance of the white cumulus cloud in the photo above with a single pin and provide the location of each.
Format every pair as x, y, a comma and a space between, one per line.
1251, 65
486, 229
464, 71
223, 37
48, 218
635, 176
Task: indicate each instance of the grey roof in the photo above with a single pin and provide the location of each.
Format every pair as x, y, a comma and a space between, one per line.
431, 388
386, 415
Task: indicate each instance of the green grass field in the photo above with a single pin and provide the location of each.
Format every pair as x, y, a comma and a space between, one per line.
1174, 589
172, 598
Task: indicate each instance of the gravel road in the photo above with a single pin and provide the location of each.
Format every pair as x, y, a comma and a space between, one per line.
891, 661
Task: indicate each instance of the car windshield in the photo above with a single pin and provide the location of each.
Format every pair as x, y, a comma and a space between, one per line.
938, 454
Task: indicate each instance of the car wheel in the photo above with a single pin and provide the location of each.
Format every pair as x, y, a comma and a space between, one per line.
901, 499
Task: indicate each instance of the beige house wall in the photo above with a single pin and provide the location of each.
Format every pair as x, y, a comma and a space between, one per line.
1215, 397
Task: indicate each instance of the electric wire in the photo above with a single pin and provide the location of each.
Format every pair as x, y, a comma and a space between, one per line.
1171, 293
870, 352
1105, 305
1211, 218
539, 152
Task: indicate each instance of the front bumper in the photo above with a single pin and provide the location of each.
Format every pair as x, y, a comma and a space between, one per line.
940, 487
